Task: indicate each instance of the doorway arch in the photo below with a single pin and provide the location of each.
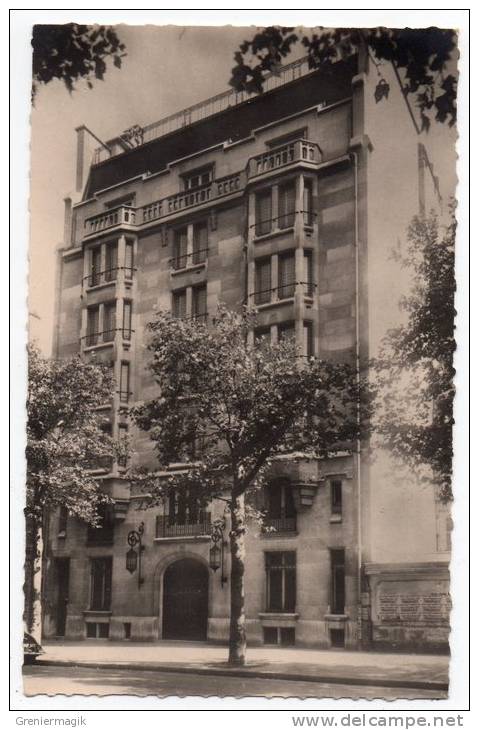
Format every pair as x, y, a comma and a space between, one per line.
185, 600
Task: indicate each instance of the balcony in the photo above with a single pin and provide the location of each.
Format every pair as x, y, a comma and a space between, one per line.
123, 215
186, 261
283, 292
193, 528
106, 337
300, 151
272, 525
109, 276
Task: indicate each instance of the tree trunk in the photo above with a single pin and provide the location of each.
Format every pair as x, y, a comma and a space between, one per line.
33, 579
237, 646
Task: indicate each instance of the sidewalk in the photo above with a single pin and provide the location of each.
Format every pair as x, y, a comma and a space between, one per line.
415, 671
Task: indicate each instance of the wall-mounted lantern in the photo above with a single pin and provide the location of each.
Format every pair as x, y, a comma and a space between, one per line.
133, 558
217, 549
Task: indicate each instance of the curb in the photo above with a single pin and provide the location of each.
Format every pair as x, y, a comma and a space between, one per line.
254, 673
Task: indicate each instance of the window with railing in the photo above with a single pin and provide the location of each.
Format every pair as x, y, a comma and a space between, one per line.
180, 243
92, 326
200, 243
280, 581
109, 321
111, 262
308, 273
286, 205
263, 218
287, 332
263, 289
286, 275
186, 517
199, 303
95, 267
179, 304
129, 258
308, 203
124, 382
127, 319
280, 508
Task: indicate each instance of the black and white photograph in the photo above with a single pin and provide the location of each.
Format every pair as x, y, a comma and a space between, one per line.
239, 470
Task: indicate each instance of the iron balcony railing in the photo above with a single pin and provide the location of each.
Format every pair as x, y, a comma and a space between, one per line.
279, 524
285, 291
95, 278
187, 527
189, 259
282, 222
106, 336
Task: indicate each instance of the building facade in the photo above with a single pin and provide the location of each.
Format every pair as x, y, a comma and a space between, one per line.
291, 201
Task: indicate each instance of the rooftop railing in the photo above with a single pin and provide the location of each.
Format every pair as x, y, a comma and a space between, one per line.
207, 108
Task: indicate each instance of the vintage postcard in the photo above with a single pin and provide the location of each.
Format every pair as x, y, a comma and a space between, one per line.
239, 466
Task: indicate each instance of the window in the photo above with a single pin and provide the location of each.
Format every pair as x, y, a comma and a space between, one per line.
199, 302
287, 332
126, 320
308, 203
286, 205
122, 436
280, 581
286, 274
337, 581
336, 497
200, 242
62, 522
262, 336
198, 178
125, 382
100, 585
263, 281
281, 511
93, 316
103, 533
109, 322
308, 273
283, 635
263, 213
289, 137
95, 266
111, 262
129, 259
97, 630
179, 248
308, 339
179, 304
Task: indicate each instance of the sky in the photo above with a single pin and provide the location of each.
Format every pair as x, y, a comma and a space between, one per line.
166, 69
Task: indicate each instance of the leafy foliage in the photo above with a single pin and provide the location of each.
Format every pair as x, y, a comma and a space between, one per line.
414, 389
422, 56
64, 435
229, 408
71, 52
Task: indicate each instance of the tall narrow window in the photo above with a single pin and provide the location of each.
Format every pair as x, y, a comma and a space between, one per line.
179, 304
180, 259
280, 581
111, 262
308, 203
263, 281
281, 510
129, 259
308, 273
93, 317
287, 332
109, 321
95, 268
125, 382
126, 320
286, 205
100, 592
62, 521
336, 497
286, 274
338, 588
199, 303
263, 213
308, 339
122, 437
200, 242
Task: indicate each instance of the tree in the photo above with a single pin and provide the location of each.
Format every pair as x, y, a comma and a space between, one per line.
243, 405
414, 372
71, 52
64, 439
422, 57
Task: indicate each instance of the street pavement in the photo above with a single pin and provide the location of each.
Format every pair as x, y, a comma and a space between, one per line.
54, 680
399, 670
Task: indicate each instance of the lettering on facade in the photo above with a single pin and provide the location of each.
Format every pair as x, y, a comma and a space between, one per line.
429, 608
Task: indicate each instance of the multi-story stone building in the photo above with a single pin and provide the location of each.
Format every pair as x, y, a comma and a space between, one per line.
292, 201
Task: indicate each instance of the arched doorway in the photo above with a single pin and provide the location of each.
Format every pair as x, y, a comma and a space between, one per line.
185, 600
